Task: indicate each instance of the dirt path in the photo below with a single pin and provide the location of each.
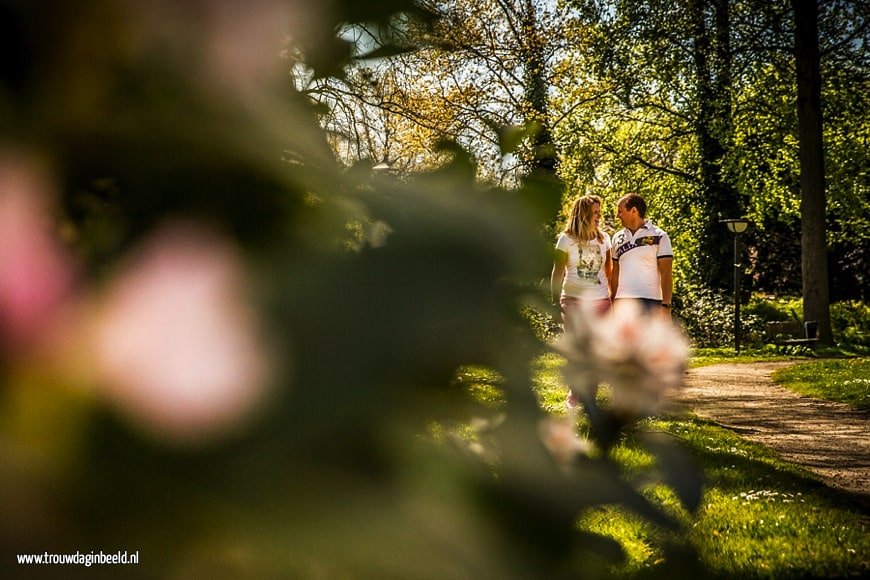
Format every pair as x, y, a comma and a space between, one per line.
828, 438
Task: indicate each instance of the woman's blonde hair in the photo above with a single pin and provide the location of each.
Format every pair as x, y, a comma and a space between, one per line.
580, 223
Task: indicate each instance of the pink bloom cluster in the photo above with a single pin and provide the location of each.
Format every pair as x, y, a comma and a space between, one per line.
171, 342
36, 274
640, 356
561, 440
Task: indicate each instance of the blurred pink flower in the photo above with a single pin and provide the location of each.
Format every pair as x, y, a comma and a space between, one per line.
177, 348
238, 45
561, 439
244, 40
640, 356
36, 273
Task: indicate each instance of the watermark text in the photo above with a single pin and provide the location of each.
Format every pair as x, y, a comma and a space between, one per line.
80, 558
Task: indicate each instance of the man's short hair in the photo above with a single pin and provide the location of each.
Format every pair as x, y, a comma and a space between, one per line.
633, 200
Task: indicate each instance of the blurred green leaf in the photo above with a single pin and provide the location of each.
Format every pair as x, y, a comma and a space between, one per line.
679, 470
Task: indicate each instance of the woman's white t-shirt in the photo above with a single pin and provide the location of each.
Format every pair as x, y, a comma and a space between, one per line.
584, 271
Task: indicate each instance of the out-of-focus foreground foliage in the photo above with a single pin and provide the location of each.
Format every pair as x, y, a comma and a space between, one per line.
233, 362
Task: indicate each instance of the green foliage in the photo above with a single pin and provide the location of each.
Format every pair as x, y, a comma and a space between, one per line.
850, 320
708, 316
774, 309
543, 323
663, 461
634, 111
851, 323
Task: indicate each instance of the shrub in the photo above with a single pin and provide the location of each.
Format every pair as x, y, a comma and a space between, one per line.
770, 309
542, 323
708, 316
851, 323
850, 320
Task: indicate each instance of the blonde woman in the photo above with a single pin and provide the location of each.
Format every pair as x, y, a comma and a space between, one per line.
583, 263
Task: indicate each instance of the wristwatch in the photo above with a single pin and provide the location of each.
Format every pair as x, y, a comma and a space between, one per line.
666, 305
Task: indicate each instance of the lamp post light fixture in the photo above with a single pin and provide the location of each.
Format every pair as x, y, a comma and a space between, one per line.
737, 226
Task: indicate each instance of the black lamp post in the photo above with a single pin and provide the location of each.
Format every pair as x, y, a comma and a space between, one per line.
737, 226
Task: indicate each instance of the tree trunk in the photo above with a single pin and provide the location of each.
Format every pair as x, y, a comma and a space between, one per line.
717, 197
814, 258
535, 88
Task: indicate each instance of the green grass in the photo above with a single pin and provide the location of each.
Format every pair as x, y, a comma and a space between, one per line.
549, 384
843, 380
760, 517
702, 357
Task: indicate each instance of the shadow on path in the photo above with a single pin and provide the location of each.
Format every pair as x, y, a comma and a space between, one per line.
828, 438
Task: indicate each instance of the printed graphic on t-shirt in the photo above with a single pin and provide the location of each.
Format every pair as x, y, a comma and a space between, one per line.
589, 263
644, 241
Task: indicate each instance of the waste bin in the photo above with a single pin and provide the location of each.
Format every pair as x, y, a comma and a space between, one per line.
811, 329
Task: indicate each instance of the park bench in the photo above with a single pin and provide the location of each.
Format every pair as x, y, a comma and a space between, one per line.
792, 332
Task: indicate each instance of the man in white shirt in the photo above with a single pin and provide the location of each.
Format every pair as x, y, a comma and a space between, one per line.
642, 259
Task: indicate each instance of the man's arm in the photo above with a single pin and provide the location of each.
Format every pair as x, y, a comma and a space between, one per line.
666, 275
614, 278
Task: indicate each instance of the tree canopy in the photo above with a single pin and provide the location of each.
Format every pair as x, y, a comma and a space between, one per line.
691, 104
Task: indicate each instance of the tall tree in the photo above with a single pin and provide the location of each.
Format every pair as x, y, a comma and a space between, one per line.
717, 197
814, 258
536, 86
666, 128
482, 77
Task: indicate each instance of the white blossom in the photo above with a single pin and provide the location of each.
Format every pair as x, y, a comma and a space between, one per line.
639, 355
560, 438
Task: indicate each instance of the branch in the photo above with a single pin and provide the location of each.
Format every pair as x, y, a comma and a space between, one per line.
858, 32
649, 165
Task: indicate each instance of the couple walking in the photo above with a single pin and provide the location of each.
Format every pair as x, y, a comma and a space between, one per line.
635, 265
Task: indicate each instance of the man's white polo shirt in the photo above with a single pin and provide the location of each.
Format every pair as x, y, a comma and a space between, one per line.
638, 255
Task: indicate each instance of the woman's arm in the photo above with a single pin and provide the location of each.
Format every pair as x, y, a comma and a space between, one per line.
560, 259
